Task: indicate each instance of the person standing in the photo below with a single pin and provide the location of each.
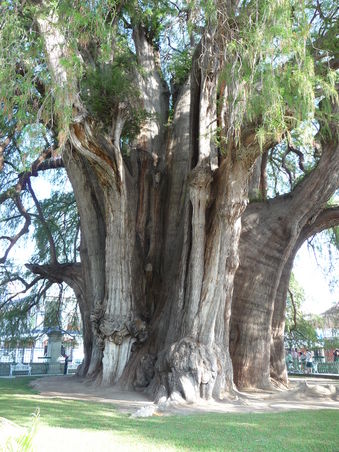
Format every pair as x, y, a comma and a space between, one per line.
295, 358
63, 354
66, 363
302, 361
288, 360
309, 361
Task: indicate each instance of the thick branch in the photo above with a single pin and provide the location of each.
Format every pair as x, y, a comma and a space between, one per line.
327, 218
71, 274
56, 50
27, 287
42, 163
300, 155
317, 187
154, 96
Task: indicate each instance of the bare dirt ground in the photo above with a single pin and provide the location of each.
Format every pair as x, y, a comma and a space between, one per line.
302, 394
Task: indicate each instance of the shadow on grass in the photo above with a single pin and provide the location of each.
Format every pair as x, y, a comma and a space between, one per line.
289, 431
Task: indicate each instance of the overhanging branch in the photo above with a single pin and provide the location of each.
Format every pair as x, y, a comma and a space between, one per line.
327, 218
27, 285
44, 162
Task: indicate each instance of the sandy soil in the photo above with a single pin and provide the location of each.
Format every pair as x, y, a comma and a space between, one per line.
303, 394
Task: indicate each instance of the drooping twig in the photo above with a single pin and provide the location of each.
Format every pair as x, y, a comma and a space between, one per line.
44, 223
13, 240
294, 311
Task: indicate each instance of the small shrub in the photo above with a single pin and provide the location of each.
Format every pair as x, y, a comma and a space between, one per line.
24, 442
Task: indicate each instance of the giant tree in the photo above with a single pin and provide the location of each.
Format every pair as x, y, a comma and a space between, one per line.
160, 174
274, 229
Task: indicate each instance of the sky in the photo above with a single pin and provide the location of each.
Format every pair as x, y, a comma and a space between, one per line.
310, 276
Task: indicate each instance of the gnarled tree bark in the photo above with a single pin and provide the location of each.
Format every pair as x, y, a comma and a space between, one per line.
271, 235
161, 227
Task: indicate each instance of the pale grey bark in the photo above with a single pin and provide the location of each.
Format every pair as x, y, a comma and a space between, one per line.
154, 98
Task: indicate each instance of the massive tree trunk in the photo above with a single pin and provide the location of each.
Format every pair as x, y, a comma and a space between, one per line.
195, 361
272, 233
205, 198
161, 227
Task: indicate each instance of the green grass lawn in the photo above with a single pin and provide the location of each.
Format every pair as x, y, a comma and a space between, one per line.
80, 425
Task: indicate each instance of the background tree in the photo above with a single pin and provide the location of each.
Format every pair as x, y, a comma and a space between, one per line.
55, 233
299, 332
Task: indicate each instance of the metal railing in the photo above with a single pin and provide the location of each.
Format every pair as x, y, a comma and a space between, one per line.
21, 355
